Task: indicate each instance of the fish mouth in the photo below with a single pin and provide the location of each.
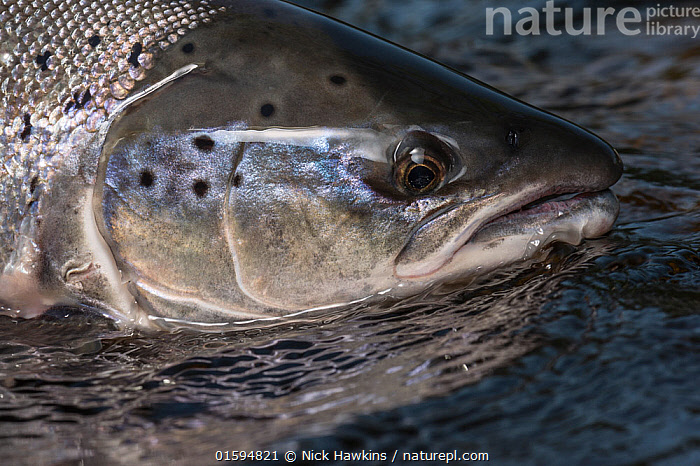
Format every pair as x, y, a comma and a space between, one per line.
598, 208
545, 206
491, 237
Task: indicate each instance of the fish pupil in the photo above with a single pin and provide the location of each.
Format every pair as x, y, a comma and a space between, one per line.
420, 177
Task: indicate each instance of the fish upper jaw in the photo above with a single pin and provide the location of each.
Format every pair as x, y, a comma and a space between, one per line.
499, 229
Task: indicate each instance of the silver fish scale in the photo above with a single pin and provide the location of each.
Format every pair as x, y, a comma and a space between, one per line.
64, 67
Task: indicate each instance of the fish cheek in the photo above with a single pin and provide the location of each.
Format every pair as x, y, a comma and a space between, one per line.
298, 233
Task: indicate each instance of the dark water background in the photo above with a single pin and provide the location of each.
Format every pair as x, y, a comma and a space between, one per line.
586, 357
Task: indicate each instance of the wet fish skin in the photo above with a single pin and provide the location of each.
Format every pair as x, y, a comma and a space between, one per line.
64, 67
140, 166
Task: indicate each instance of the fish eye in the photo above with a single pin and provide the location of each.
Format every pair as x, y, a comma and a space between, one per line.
421, 163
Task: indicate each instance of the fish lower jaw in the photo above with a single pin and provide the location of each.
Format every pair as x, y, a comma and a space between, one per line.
522, 232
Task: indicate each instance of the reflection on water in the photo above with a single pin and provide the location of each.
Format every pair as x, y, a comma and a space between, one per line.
586, 355
74, 372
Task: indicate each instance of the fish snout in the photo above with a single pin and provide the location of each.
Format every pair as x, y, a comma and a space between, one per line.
567, 158
599, 160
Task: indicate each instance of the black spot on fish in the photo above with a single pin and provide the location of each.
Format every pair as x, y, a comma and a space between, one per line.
338, 79
188, 47
78, 102
267, 110
86, 98
135, 52
41, 60
237, 180
33, 184
200, 188
94, 41
204, 143
27, 127
146, 179
269, 12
